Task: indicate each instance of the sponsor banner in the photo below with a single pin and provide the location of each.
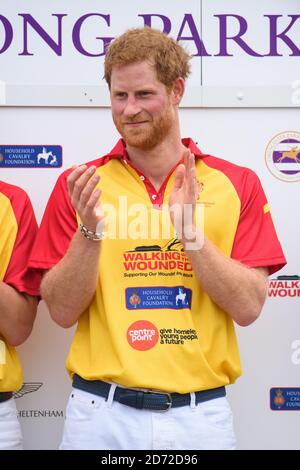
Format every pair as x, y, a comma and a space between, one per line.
177, 298
143, 335
30, 156
285, 399
284, 286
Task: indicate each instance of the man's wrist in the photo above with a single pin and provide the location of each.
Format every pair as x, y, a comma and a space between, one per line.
91, 234
192, 239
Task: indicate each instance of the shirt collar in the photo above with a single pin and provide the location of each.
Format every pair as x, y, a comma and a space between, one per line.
119, 150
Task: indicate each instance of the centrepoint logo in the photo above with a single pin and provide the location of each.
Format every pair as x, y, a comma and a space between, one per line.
142, 335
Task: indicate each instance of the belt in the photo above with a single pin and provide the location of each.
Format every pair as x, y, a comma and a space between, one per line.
4, 396
150, 400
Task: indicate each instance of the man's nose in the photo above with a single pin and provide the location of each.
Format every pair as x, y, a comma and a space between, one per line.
132, 107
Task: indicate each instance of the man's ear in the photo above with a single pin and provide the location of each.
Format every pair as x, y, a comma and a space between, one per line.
177, 92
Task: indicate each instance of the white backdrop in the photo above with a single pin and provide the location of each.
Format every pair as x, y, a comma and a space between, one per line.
268, 347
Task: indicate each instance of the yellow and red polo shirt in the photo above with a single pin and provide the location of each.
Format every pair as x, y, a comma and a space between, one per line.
150, 325
18, 231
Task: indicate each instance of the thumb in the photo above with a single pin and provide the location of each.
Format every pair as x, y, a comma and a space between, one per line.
179, 177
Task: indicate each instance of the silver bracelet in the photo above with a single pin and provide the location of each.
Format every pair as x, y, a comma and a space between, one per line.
90, 234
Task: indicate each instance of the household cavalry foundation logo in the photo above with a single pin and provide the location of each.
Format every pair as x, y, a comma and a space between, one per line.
283, 156
285, 399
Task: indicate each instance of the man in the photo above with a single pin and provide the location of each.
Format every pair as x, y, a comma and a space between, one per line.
19, 289
155, 314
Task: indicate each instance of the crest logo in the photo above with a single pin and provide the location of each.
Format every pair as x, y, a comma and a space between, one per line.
283, 156
135, 299
279, 399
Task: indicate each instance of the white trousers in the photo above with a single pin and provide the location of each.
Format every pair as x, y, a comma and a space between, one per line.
10, 429
94, 423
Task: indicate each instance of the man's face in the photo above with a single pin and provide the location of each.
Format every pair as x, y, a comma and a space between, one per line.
141, 105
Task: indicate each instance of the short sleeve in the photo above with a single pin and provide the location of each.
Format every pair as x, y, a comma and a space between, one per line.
17, 274
256, 242
57, 228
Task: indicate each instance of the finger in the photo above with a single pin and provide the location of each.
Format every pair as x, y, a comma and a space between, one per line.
198, 189
92, 212
191, 160
186, 159
93, 200
192, 166
88, 189
192, 182
99, 210
81, 182
179, 177
74, 175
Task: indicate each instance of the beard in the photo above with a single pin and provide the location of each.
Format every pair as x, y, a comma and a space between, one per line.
150, 134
